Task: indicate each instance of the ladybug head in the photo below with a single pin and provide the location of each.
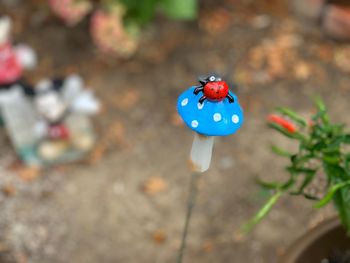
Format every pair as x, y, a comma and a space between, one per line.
212, 78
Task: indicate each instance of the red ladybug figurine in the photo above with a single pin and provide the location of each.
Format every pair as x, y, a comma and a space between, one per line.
214, 89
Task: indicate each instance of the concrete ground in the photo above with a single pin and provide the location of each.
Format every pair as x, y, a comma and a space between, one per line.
127, 203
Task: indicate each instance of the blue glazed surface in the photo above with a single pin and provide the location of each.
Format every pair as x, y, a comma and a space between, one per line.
210, 118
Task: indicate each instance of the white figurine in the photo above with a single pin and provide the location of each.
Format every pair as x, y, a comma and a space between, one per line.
53, 125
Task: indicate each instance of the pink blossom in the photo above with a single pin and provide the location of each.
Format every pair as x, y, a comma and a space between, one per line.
109, 34
71, 11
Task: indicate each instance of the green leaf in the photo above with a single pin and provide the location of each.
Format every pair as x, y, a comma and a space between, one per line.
300, 170
329, 196
342, 202
269, 185
180, 9
310, 197
303, 159
318, 146
280, 151
320, 104
331, 159
307, 180
293, 115
262, 212
346, 158
322, 114
289, 183
140, 12
344, 138
335, 171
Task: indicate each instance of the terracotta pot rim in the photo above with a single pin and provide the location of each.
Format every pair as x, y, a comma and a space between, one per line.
298, 247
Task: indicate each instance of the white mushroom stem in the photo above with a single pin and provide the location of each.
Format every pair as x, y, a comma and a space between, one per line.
201, 152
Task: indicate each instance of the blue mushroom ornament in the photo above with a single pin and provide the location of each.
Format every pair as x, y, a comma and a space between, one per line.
210, 109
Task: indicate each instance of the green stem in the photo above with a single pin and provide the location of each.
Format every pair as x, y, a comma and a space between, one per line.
262, 212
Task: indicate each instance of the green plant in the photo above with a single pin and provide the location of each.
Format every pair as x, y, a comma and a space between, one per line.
116, 24
322, 152
142, 12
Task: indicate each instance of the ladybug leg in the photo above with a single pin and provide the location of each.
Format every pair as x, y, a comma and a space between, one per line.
198, 89
230, 98
202, 99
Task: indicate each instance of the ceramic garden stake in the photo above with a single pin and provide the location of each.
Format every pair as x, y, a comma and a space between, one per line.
209, 109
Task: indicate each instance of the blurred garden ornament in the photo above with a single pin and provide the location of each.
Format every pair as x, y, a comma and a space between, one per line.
332, 15
210, 110
319, 170
13, 59
53, 125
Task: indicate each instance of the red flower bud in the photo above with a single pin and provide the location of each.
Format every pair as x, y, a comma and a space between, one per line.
289, 126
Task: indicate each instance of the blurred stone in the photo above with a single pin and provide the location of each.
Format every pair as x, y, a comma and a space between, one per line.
11, 3
226, 163
310, 9
261, 21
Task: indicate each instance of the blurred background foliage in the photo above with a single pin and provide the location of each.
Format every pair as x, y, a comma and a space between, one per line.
116, 24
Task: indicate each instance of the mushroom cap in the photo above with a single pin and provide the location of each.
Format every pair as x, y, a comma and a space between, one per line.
211, 118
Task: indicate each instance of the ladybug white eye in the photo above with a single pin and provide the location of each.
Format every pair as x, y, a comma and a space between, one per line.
212, 78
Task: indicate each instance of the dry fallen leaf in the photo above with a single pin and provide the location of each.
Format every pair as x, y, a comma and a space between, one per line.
159, 237
116, 134
208, 246
29, 173
342, 59
325, 53
274, 58
97, 153
239, 237
127, 99
4, 247
9, 190
154, 185
20, 257
116, 131
302, 71
215, 21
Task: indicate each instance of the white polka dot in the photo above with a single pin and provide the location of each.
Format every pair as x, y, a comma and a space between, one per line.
217, 117
184, 102
194, 124
235, 118
200, 105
